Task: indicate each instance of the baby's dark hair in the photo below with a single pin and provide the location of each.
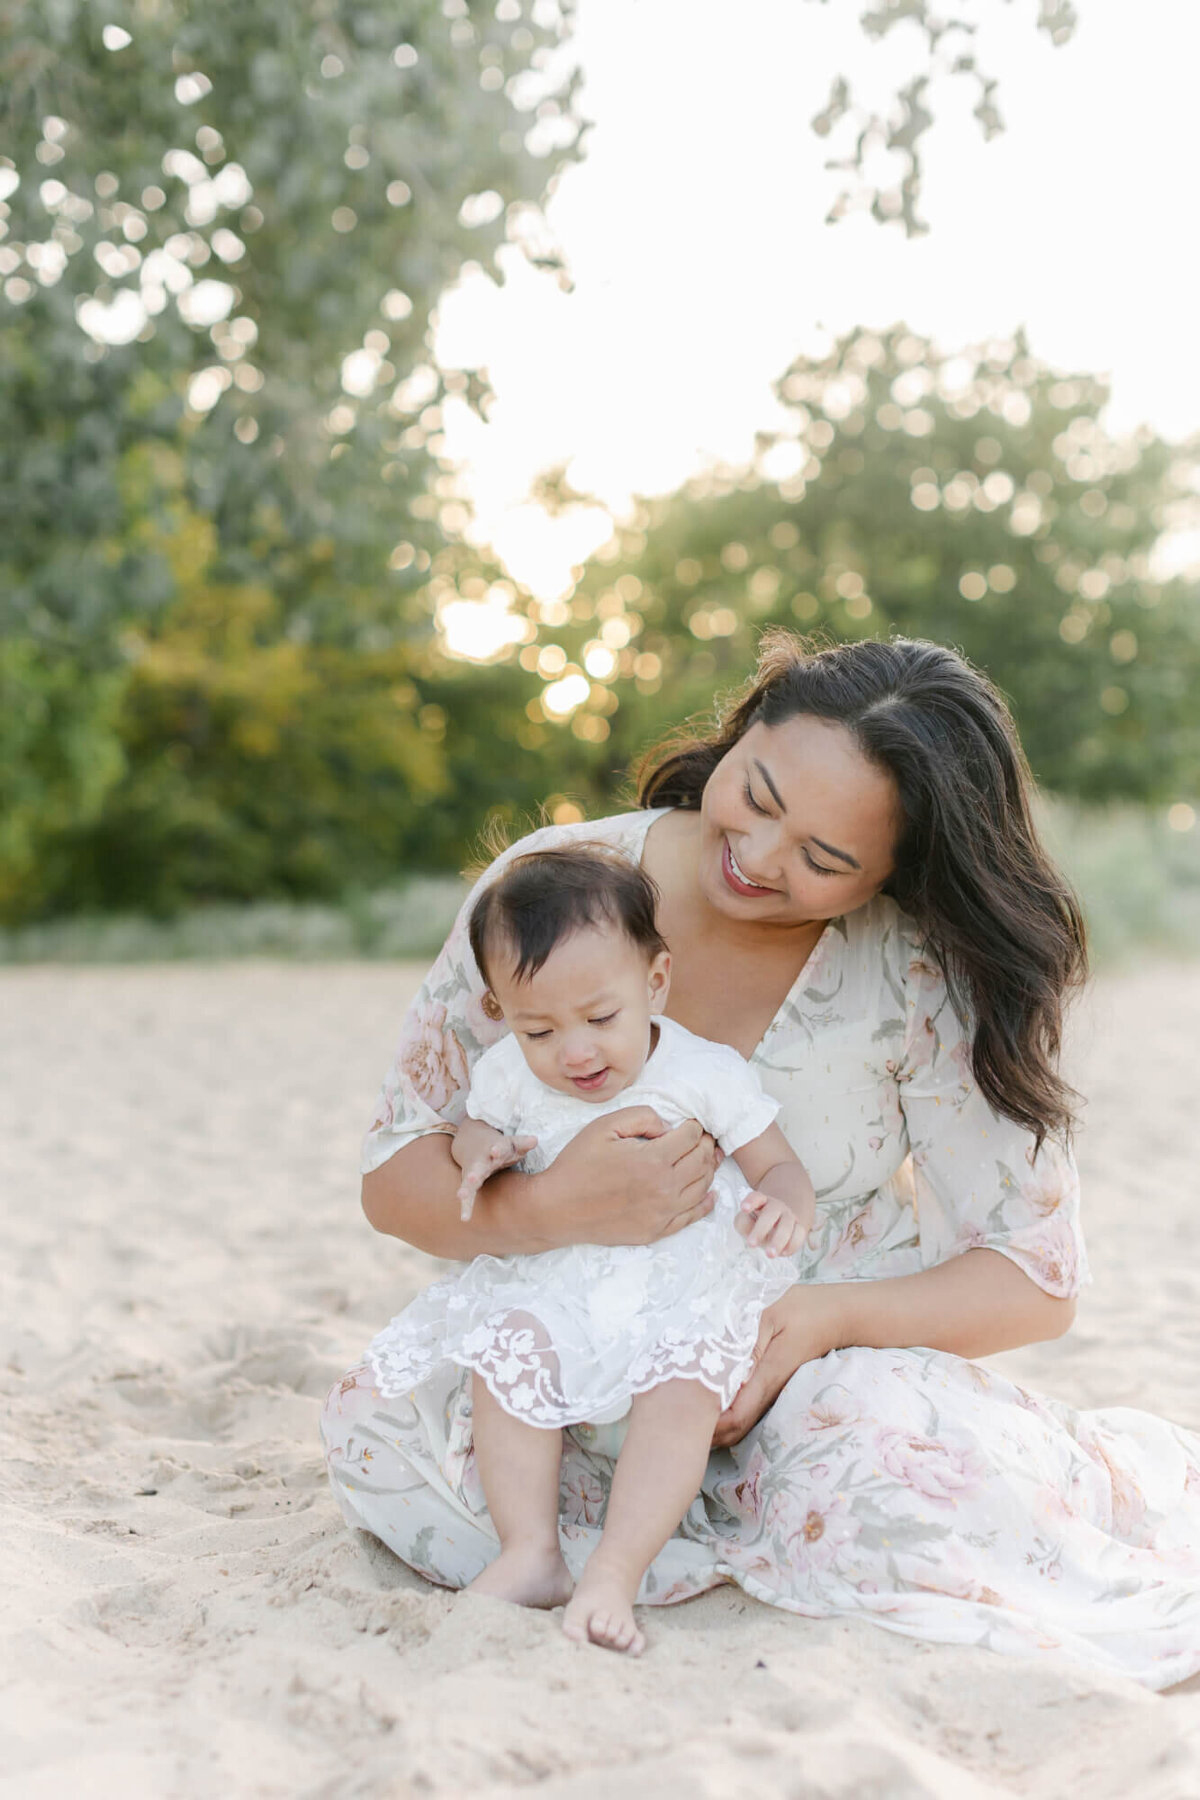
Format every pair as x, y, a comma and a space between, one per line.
544, 896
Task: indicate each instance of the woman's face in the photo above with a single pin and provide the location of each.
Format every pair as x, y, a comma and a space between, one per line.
796, 824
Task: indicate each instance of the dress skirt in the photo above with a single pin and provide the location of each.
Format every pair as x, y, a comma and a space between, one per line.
910, 1487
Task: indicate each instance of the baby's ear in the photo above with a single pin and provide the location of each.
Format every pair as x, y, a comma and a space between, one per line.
491, 1007
659, 975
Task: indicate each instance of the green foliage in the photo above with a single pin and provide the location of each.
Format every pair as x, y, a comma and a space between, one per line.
226, 529
1138, 879
947, 40
204, 211
976, 500
390, 923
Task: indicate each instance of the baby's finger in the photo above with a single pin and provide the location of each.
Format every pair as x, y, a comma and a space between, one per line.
780, 1236
466, 1200
523, 1145
764, 1225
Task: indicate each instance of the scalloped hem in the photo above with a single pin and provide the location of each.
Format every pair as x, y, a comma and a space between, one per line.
614, 1403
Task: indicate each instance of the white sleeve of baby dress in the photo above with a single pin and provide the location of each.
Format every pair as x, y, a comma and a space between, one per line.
495, 1086
735, 1109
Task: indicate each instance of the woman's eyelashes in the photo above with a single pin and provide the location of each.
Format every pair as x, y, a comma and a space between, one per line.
816, 867
752, 803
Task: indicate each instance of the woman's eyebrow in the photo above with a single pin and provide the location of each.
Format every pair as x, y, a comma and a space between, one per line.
842, 855
775, 793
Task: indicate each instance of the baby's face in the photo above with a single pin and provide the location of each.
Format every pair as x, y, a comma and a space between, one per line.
583, 1021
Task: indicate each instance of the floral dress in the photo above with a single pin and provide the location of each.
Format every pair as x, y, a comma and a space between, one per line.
911, 1487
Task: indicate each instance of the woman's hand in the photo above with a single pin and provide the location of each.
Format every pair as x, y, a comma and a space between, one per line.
627, 1179
807, 1323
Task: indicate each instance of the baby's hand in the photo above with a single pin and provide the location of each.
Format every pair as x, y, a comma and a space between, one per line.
770, 1225
483, 1153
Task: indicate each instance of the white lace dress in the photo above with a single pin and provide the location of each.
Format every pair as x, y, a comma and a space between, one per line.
571, 1335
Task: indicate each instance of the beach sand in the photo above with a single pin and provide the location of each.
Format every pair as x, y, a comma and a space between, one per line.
185, 1270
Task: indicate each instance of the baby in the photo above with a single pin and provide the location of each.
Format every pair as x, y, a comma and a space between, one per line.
664, 1333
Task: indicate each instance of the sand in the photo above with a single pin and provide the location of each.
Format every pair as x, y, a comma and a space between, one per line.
186, 1269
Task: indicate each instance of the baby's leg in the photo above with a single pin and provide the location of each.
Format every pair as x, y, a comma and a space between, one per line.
519, 1468
657, 1477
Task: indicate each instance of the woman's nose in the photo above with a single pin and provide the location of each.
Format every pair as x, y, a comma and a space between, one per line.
760, 858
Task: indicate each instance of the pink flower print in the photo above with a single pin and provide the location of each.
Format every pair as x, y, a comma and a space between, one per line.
1056, 1257
973, 1237
831, 1410
744, 1496
385, 1111
821, 1525
857, 1233
431, 1058
481, 1021
938, 1471
1128, 1500
583, 1494
921, 1050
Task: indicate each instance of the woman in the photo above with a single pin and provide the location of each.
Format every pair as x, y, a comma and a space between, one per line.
855, 898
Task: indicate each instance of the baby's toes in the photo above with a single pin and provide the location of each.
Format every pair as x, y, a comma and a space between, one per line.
616, 1633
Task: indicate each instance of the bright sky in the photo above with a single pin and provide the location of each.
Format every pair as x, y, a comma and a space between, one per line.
694, 234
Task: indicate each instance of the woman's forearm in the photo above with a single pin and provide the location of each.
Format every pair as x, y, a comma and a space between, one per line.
414, 1196
974, 1305
625, 1179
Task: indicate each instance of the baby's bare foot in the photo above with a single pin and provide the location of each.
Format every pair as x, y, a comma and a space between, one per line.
526, 1575
601, 1612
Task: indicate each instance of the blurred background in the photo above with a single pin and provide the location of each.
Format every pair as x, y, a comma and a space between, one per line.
408, 411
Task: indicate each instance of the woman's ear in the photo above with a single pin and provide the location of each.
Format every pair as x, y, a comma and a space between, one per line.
659, 981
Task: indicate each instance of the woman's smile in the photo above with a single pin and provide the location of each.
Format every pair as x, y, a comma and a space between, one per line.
736, 876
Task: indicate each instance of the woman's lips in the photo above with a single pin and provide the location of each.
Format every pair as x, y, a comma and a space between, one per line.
737, 882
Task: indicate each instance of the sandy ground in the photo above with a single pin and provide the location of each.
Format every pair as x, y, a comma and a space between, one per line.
185, 1270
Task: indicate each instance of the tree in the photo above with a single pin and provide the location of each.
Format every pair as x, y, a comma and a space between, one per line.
975, 499
223, 232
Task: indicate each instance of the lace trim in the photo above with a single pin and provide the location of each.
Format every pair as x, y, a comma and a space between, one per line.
525, 1377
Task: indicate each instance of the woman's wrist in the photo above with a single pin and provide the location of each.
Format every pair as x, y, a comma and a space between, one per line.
825, 1312
522, 1214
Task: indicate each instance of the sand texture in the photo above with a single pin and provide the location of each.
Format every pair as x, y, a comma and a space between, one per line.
185, 1270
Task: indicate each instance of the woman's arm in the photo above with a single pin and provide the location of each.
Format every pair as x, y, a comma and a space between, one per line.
974, 1305
624, 1180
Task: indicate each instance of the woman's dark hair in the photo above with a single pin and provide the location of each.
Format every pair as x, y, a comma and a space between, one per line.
969, 868
542, 897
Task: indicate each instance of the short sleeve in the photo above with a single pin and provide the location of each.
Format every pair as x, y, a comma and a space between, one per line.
732, 1105
446, 1030
978, 1183
493, 1095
